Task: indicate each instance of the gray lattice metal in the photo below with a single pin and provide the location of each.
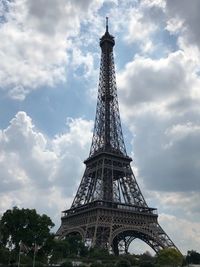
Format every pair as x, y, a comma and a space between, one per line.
109, 210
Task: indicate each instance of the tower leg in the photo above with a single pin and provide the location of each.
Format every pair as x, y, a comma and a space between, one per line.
95, 231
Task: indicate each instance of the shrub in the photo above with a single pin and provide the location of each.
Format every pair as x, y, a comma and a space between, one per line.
123, 263
66, 264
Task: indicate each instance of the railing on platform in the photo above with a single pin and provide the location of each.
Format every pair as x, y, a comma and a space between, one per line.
111, 205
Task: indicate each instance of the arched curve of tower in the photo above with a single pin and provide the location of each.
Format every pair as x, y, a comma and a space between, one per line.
151, 238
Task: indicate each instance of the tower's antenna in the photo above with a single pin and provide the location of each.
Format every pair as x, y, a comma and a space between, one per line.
106, 24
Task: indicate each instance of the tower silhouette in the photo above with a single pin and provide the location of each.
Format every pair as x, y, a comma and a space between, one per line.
109, 210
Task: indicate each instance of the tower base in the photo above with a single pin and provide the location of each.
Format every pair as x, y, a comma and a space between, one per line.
113, 226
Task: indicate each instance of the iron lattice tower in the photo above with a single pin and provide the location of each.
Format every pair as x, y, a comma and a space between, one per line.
109, 210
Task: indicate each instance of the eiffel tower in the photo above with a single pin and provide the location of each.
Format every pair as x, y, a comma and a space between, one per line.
109, 210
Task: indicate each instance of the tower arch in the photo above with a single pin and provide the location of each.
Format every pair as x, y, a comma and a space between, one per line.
122, 239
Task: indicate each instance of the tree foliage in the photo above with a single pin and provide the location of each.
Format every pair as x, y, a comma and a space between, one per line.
193, 257
24, 225
169, 257
96, 264
123, 263
76, 246
4, 255
57, 249
70, 247
66, 264
146, 260
98, 253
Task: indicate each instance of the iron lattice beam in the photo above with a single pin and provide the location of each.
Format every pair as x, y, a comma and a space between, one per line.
109, 210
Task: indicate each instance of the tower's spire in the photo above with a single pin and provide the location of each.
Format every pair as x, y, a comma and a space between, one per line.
106, 24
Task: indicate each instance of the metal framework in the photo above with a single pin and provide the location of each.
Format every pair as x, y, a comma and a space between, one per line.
109, 210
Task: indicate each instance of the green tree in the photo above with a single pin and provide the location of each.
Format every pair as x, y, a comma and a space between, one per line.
123, 263
58, 250
99, 253
146, 260
169, 256
4, 255
133, 259
76, 246
25, 225
96, 264
71, 246
193, 257
110, 264
67, 264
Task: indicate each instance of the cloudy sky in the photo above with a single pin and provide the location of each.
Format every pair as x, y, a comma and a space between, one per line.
49, 67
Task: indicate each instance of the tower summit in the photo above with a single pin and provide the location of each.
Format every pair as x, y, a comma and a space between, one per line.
109, 209
107, 135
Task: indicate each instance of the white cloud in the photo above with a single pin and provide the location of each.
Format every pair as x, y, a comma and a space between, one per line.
181, 131
80, 60
174, 25
159, 85
137, 23
187, 204
139, 29
37, 43
30, 162
188, 14
154, 3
